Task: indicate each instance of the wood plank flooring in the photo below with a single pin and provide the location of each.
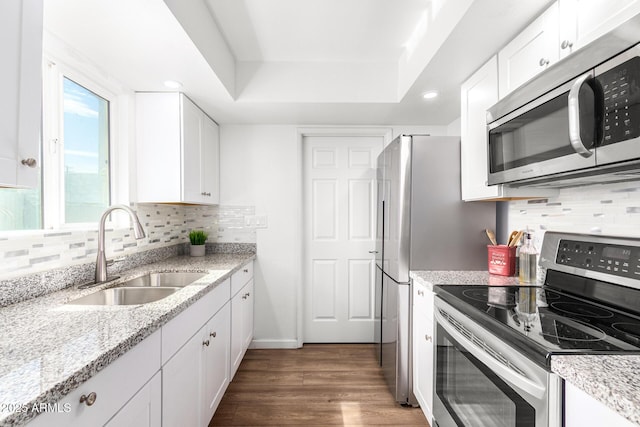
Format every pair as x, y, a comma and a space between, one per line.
317, 385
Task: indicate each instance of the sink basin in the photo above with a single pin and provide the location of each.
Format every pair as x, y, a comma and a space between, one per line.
125, 296
173, 279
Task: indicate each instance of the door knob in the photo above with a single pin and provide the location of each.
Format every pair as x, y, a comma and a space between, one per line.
90, 399
30, 162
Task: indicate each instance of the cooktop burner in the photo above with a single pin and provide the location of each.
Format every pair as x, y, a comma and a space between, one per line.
582, 309
545, 321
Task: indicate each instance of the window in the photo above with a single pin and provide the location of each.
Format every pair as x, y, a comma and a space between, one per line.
86, 153
75, 182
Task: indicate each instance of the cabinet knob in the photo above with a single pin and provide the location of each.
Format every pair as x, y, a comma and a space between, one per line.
543, 62
421, 293
427, 337
90, 399
566, 44
30, 162
246, 270
213, 334
206, 343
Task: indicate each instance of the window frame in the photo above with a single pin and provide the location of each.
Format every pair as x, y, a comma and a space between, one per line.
53, 202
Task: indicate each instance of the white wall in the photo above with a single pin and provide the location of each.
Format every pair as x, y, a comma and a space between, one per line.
261, 167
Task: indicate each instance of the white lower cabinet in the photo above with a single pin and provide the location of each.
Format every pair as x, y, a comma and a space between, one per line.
175, 377
144, 409
582, 410
196, 354
116, 388
241, 314
215, 363
423, 347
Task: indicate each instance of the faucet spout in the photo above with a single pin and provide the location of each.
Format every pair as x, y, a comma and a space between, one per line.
101, 259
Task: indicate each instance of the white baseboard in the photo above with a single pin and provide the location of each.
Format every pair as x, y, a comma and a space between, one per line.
274, 344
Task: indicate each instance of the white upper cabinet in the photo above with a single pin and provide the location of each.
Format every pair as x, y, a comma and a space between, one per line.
177, 151
585, 20
21, 103
531, 52
477, 94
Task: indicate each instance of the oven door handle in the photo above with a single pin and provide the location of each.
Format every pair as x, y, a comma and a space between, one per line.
574, 115
513, 378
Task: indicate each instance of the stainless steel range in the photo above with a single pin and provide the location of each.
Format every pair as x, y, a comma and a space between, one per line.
495, 343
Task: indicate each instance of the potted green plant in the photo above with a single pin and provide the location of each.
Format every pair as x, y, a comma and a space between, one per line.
197, 239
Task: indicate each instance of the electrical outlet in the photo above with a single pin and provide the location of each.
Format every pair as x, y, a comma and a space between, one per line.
261, 221
249, 220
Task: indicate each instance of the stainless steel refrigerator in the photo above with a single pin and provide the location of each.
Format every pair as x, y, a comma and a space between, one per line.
422, 225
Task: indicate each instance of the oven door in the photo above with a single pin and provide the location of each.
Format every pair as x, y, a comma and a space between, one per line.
557, 132
481, 381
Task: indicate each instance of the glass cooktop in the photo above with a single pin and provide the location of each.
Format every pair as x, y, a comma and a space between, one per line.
544, 321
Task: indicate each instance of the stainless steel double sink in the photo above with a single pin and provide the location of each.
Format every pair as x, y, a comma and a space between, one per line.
141, 290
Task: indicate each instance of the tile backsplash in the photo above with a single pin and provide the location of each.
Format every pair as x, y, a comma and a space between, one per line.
165, 225
607, 209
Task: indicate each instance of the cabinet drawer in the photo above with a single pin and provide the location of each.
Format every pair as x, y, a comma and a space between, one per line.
178, 331
422, 299
241, 277
113, 387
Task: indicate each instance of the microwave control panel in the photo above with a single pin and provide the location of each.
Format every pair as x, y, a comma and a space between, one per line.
621, 88
618, 260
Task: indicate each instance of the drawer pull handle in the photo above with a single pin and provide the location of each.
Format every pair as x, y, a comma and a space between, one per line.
206, 343
245, 296
543, 62
90, 399
421, 293
213, 334
246, 270
427, 337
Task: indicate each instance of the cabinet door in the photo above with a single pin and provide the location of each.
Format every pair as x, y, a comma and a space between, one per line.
237, 340
20, 105
583, 410
530, 52
192, 119
423, 333
477, 94
182, 383
210, 161
144, 409
247, 315
583, 21
215, 361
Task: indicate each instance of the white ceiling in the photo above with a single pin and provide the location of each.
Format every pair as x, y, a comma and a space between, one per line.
317, 30
356, 62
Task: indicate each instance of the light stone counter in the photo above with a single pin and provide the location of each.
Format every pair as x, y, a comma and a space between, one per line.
612, 380
483, 278
47, 348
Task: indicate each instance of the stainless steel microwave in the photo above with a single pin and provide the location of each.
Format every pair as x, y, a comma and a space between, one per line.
585, 130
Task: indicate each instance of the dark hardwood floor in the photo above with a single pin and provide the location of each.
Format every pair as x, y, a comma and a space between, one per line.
317, 385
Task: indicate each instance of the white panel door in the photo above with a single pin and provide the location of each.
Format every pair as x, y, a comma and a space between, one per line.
339, 233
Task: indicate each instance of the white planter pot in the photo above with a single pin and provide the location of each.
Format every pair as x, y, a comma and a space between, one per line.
198, 250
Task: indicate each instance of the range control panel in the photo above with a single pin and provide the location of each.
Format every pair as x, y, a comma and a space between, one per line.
618, 260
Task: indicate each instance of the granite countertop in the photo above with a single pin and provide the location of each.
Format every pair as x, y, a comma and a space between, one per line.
482, 278
47, 348
613, 380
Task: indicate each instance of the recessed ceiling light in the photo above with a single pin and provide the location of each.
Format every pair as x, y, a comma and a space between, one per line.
430, 95
172, 84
